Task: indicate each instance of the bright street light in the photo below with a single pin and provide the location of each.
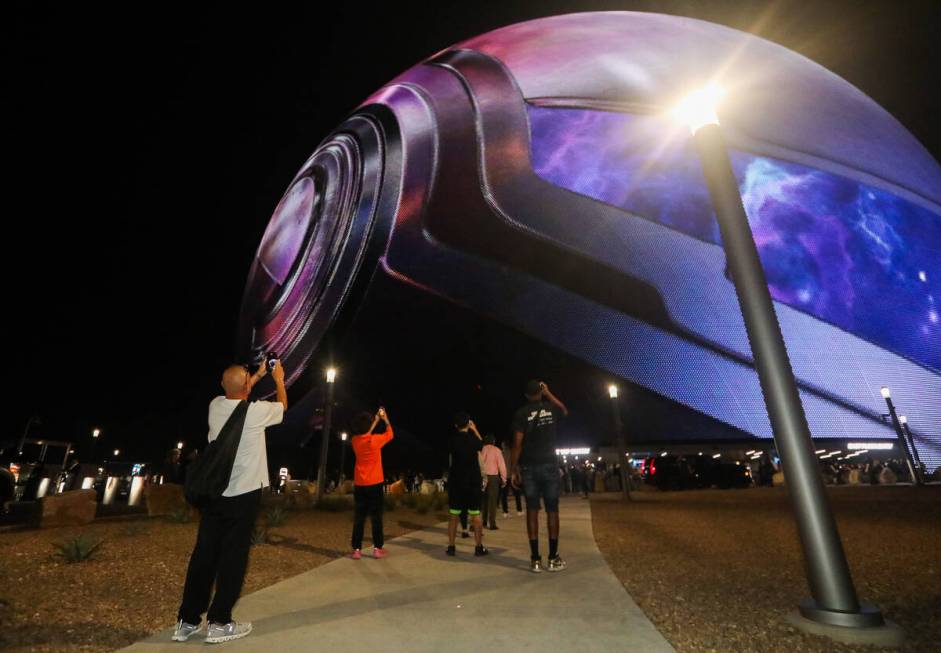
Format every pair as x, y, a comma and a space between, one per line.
117, 452
903, 419
331, 374
96, 433
344, 435
613, 391
179, 445
886, 393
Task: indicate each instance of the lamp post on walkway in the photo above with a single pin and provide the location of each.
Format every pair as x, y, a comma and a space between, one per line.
913, 471
911, 443
94, 441
325, 438
834, 601
343, 437
619, 440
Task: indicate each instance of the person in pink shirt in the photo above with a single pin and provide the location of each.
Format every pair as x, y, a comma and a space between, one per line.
494, 468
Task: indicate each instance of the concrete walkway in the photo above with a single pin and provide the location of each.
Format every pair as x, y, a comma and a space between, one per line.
419, 600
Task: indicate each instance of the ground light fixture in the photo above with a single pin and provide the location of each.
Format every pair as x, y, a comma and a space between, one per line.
331, 376
834, 605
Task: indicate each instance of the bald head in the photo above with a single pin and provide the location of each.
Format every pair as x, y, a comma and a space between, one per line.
236, 382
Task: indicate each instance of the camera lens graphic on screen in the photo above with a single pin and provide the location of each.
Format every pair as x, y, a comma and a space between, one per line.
531, 176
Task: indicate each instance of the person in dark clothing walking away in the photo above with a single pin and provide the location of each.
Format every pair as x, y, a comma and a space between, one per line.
464, 481
226, 524
368, 480
534, 464
491, 459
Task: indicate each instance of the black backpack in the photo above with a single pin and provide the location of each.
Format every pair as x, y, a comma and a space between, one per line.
208, 476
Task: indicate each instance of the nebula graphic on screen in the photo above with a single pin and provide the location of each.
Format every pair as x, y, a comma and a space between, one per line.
853, 255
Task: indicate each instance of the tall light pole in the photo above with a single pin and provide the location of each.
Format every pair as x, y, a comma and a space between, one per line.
897, 425
619, 440
911, 443
94, 441
343, 437
325, 438
834, 601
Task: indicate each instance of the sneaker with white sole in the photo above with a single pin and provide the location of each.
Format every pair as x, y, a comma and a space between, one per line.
184, 631
219, 633
535, 565
556, 564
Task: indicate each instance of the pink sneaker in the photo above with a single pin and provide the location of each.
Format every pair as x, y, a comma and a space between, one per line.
379, 553
356, 555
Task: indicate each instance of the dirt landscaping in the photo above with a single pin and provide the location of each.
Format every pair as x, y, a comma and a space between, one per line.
716, 570
131, 588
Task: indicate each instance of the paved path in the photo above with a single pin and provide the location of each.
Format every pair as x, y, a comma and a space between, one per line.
420, 600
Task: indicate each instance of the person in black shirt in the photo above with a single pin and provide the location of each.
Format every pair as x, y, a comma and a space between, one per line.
534, 464
464, 481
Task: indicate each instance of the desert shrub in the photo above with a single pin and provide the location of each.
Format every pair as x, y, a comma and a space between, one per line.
259, 535
334, 504
78, 549
439, 500
408, 500
276, 516
135, 528
181, 515
424, 503
390, 502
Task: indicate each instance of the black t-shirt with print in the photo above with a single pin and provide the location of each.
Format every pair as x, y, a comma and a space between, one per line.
537, 420
465, 470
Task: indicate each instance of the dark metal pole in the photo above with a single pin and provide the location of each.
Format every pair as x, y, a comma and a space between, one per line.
325, 442
622, 446
900, 434
911, 444
834, 599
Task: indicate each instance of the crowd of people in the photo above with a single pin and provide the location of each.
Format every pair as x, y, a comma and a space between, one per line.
480, 480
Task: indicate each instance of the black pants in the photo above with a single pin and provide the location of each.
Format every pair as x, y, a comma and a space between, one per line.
505, 494
491, 494
368, 500
220, 557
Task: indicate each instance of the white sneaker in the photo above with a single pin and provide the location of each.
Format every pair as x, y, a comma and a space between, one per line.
226, 632
505, 515
184, 631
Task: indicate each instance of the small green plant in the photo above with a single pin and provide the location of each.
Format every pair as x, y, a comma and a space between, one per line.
390, 502
78, 549
334, 504
276, 516
259, 535
181, 515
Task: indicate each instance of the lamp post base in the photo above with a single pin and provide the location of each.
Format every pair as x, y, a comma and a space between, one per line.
867, 626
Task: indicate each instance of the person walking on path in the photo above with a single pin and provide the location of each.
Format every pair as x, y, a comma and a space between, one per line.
226, 523
368, 479
494, 469
464, 481
507, 488
534, 464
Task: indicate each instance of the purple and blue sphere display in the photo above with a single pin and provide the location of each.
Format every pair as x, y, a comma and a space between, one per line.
533, 176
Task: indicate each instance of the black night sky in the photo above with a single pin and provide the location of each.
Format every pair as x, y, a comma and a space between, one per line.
146, 147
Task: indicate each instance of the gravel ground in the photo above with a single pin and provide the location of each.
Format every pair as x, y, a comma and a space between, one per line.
133, 585
717, 570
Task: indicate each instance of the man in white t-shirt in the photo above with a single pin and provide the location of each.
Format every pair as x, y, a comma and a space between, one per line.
225, 526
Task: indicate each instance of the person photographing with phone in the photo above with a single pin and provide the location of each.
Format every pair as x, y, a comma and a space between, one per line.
464, 481
533, 463
227, 519
368, 479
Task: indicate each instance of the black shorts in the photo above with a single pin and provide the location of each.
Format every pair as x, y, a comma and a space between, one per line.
464, 496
